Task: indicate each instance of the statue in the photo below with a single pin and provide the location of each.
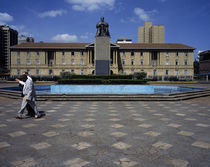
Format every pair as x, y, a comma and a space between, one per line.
102, 28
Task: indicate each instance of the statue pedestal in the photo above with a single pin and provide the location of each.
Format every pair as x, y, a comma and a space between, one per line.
102, 55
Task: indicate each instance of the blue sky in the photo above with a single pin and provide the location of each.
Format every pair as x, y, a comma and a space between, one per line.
186, 21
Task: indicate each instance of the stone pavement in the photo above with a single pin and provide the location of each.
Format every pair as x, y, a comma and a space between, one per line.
107, 134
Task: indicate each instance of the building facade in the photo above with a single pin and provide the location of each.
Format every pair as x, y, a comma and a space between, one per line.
8, 37
50, 59
204, 62
151, 33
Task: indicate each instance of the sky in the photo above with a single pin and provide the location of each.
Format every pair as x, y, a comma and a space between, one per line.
185, 21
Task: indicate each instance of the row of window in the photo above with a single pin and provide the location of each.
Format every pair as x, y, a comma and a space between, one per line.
28, 61
37, 72
132, 62
166, 54
123, 53
155, 72
63, 53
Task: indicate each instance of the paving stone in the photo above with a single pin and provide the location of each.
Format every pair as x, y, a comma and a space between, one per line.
151, 133
27, 162
4, 144
81, 145
3, 125
185, 133
179, 163
88, 126
29, 125
201, 144
40, 146
50, 134
85, 134
125, 162
174, 125
118, 134
121, 145
162, 145
202, 125
16, 134
77, 162
145, 125
117, 126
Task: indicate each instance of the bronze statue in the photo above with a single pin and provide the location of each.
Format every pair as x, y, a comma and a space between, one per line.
102, 28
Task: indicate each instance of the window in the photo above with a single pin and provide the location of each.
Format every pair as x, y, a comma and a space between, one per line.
18, 54
72, 61
185, 62
81, 62
141, 53
28, 71
123, 53
81, 53
18, 61
142, 62
167, 62
123, 61
176, 72
50, 71
72, 71
28, 53
167, 72
37, 53
132, 71
63, 70
37, 72
176, 62
185, 72
167, 54
37, 61
63, 61
81, 72
63, 53
177, 54
186, 54
28, 61
18, 72
72, 53
132, 62
154, 72
132, 53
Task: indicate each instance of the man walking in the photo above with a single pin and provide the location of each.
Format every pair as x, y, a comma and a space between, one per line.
29, 96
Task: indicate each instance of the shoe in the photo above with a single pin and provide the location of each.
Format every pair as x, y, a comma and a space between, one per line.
18, 117
36, 116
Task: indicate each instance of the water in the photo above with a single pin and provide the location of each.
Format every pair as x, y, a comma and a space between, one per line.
107, 89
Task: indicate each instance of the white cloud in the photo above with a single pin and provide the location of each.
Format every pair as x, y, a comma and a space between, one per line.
65, 38
5, 17
52, 13
144, 15
18, 28
91, 5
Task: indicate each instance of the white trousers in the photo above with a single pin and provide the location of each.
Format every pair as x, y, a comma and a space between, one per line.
23, 106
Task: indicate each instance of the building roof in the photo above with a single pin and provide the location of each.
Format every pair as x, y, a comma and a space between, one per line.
146, 46
156, 46
44, 45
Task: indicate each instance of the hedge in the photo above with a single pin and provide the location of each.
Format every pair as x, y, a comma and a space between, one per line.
100, 81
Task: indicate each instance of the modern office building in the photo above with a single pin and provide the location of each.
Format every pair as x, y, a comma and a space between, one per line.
24, 39
151, 33
204, 62
157, 60
8, 37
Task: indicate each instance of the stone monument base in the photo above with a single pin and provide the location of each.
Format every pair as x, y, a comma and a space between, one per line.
102, 55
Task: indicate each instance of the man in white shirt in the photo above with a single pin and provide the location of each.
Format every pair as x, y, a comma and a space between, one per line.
29, 96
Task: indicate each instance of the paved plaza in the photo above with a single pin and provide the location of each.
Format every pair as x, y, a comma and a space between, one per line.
107, 134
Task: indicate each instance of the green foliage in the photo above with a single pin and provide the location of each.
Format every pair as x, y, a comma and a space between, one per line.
100, 81
140, 75
66, 75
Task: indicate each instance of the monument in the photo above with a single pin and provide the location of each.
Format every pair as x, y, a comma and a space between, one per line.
102, 48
